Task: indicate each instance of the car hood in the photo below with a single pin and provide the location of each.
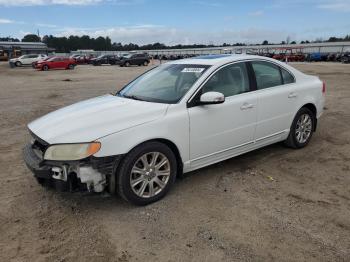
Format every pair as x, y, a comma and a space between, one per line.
95, 118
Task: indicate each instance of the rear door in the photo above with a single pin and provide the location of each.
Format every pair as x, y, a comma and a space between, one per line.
276, 101
134, 59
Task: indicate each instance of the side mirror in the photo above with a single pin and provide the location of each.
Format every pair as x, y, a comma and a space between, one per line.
211, 98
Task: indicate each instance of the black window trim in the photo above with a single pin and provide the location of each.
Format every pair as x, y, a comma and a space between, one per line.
251, 74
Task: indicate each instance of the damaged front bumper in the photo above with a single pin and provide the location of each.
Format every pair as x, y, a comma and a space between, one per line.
91, 174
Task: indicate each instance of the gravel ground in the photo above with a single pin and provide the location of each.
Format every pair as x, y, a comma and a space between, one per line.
274, 204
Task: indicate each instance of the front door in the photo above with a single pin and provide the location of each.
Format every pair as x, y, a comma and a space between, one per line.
220, 131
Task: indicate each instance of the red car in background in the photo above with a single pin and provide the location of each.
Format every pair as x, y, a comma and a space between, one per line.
36, 62
55, 63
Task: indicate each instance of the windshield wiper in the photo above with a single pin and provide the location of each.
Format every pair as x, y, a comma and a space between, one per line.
133, 97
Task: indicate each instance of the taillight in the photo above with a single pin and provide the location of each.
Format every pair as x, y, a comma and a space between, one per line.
324, 87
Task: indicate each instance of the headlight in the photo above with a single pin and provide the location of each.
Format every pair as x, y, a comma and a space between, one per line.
71, 151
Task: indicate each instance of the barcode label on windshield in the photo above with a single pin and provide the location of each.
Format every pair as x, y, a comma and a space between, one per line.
192, 70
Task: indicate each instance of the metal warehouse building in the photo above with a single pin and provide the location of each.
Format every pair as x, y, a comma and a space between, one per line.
15, 49
337, 47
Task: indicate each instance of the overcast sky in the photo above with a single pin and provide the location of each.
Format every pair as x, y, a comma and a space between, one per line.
178, 21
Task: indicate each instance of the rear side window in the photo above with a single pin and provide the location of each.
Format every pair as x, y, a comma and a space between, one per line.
266, 74
288, 78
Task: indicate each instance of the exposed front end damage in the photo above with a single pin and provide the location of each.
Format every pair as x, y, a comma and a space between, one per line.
91, 179
91, 174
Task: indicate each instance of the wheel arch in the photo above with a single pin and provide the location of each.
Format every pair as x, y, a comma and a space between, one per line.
176, 151
172, 147
313, 109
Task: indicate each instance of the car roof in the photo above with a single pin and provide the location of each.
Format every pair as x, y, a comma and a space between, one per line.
218, 59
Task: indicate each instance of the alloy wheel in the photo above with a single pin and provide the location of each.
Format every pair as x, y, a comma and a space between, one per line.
150, 174
303, 128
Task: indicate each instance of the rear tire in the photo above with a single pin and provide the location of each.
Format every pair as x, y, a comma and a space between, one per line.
127, 64
302, 129
145, 63
71, 67
155, 178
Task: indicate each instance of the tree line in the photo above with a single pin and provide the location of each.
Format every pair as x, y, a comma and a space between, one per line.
72, 43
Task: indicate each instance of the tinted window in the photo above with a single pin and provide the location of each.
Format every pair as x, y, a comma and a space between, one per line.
32, 56
287, 77
231, 80
267, 75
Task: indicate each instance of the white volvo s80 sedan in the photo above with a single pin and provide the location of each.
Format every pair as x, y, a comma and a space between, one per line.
175, 118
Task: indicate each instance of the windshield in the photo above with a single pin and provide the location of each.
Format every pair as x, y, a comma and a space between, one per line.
164, 84
127, 56
100, 56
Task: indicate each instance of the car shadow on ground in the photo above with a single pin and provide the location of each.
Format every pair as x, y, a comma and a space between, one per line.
240, 164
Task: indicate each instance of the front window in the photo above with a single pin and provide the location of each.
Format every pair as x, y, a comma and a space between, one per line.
164, 84
230, 80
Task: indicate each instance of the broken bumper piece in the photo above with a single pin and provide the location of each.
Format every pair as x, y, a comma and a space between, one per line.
91, 174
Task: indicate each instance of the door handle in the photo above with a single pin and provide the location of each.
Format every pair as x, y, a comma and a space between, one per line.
246, 106
292, 95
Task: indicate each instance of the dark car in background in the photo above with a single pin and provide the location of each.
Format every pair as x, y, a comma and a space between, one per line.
105, 59
134, 59
345, 58
81, 59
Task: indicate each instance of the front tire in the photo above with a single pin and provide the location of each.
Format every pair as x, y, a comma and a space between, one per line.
45, 67
302, 129
18, 63
146, 173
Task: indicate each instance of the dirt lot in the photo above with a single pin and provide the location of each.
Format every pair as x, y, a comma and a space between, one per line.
274, 204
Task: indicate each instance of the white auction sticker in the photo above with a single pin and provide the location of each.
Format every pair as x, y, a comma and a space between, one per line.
193, 70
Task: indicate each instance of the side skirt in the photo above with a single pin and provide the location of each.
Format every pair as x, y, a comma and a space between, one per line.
235, 151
